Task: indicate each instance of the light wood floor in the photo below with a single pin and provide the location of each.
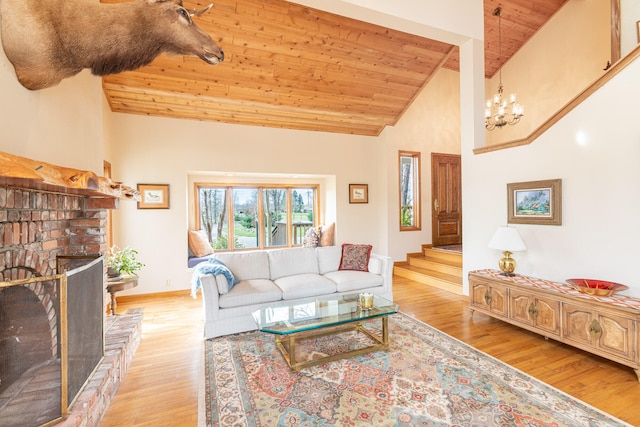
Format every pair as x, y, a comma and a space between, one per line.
161, 386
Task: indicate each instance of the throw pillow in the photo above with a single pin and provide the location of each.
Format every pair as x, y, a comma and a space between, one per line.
326, 238
355, 257
199, 243
311, 238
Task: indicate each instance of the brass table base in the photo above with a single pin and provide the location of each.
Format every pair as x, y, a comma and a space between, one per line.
287, 343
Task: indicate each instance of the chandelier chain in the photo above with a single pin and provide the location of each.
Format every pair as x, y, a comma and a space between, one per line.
497, 114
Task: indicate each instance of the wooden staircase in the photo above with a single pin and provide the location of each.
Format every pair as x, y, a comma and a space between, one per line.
433, 267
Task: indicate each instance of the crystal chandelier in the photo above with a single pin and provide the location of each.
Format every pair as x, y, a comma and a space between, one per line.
499, 112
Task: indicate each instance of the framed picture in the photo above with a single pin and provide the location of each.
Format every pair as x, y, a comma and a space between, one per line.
358, 193
153, 196
535, 202
638, 30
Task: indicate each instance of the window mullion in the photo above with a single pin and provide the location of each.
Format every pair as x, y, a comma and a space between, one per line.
289, 218
260, 226
230, 223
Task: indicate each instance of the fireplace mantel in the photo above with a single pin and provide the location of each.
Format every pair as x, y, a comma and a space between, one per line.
22, 172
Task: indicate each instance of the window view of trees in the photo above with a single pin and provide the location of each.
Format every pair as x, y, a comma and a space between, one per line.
261, 217
409, 190
213, 215
275, 217
245, 218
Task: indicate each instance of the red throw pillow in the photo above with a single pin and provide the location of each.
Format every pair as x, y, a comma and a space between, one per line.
355, 257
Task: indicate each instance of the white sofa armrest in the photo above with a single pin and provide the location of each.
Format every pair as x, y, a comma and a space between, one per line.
387, 274
210, 301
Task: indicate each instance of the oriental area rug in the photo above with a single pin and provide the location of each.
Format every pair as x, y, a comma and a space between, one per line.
427, 378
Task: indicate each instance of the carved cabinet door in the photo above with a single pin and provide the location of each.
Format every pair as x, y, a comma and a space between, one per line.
489, 297
535, 310
618, 336
577, 320
608, 334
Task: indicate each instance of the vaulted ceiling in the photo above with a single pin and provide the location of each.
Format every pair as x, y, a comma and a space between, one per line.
292, 66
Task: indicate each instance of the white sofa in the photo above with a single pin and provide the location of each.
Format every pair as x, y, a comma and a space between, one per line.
283, 274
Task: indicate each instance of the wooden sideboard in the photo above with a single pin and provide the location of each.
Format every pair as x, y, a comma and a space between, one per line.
606, 326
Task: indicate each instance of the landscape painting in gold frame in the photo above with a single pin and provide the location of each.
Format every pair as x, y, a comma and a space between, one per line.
535, 202
153, 196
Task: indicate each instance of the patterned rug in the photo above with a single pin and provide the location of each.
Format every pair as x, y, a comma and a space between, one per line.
427, 378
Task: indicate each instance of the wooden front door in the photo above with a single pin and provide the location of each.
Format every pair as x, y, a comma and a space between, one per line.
446, 199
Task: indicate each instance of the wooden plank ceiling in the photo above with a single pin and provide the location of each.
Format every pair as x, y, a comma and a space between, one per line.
291, 66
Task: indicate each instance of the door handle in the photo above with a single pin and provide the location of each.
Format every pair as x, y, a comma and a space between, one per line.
487, 298
595, 329
436, 205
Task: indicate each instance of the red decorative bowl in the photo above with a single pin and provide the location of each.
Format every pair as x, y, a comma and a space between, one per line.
600, 288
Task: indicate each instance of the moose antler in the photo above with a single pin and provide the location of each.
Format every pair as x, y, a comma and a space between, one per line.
196, 12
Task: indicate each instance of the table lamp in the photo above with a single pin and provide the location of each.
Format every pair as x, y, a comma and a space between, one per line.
507, 240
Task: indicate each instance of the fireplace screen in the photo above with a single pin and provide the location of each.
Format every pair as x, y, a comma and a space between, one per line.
51, 340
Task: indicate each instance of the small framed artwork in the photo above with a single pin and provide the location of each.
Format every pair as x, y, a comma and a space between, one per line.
358, 193
153, 196
638, 30
535, 202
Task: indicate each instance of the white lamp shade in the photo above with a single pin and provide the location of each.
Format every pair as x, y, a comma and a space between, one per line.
507, 239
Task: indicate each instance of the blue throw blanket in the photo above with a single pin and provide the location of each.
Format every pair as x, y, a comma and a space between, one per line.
214, 267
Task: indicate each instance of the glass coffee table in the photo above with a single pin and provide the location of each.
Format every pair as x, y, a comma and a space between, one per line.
292, 322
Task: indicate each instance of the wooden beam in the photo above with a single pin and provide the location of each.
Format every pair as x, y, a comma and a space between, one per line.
29, 173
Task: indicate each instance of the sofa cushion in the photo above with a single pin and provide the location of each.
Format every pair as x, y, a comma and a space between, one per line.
249, 292
328, 258
222, 281
355, 257
349, 280
292, 261
225, 279
304, 286
199, 243
246, 265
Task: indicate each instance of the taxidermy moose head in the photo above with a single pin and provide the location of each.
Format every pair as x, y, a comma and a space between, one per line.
50, 40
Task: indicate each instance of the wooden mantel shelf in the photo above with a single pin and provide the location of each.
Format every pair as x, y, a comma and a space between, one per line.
32, 174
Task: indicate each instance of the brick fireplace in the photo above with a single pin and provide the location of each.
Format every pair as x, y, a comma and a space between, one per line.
37, 226
42, 227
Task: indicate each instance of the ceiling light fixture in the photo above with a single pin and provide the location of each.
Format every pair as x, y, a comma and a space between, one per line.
496, 115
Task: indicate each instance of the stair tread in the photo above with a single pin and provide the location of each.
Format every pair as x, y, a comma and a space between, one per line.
449, 262
432, 273
437, 268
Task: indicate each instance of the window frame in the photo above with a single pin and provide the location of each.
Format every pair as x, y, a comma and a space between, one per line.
260, 187
415, 190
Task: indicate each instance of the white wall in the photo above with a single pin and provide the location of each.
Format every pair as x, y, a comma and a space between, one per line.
629, 33
453, 21
60, 125
431, 125
556, 64
166, 151
595, 150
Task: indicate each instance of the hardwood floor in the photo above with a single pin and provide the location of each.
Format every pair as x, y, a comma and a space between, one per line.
161, 385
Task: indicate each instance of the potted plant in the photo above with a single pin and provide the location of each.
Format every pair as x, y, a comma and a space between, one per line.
122, 261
